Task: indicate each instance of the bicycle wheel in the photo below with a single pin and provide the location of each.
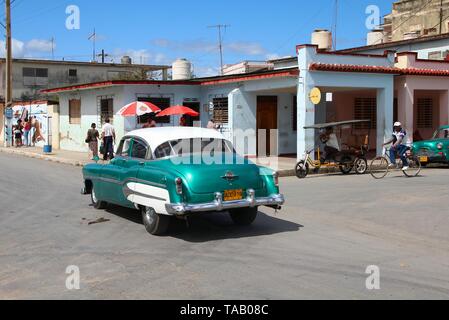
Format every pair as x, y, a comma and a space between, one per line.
414, 167
379, 167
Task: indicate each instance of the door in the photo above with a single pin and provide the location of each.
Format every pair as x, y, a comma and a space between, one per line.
125, 166
196, 107
267, 119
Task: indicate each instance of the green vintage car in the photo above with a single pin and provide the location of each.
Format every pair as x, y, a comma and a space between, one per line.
177, 172
435, 150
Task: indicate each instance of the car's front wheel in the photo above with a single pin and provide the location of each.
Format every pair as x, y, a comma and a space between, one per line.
98, 204
156, 224
244, 216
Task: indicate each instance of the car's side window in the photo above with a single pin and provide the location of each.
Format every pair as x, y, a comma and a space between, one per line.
163, 151
123, 149
139, 150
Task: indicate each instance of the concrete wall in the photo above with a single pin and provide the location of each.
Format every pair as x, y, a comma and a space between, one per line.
58, 75
72, 136
423, 49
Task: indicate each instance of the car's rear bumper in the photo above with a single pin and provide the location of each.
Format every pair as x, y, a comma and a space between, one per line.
274, 201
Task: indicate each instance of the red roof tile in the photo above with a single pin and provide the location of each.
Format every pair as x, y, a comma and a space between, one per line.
378, 69
353, 68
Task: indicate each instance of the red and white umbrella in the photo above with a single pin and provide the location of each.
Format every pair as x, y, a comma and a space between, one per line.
138, 108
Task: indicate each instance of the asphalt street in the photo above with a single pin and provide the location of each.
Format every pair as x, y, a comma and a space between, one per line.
318, 247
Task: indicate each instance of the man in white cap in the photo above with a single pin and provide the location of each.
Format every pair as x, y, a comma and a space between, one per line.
398, 145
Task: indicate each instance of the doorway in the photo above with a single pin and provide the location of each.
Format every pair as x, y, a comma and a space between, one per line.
267, 119
196, 106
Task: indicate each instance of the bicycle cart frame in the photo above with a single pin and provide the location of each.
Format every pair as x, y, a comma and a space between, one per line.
352, 158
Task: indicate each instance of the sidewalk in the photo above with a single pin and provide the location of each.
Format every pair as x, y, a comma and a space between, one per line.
77, 159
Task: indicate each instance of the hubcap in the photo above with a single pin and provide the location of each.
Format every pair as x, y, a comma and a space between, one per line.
361, 166
149, 216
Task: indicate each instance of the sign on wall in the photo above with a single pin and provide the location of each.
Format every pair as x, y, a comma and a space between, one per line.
315, 96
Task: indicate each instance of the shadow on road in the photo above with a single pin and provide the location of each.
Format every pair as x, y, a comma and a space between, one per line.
213, 226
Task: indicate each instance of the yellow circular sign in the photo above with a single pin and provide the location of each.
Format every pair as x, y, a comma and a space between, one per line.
315, 96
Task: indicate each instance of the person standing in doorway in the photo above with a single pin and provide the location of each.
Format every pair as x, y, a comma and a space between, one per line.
108, 137
26, 132
92, 140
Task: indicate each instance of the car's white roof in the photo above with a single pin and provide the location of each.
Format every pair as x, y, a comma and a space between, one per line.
157, 136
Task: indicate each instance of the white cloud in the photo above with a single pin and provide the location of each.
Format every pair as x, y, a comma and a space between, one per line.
142, 56
272, 56
37, 45
28, 49
247, 48
200, 45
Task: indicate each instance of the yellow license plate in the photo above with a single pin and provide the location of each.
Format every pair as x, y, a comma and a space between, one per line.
232, 195
424, 159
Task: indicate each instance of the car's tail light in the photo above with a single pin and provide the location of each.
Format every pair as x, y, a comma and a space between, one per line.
276, 179
178, 183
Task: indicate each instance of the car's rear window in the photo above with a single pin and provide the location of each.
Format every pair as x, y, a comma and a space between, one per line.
183, 147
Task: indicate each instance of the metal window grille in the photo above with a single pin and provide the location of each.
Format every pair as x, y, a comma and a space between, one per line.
221, 110
105, 108
425, 113
365, 109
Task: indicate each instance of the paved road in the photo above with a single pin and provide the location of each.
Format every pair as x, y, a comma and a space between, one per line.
318, 247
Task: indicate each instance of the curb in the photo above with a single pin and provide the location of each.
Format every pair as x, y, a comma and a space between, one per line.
50, 158
282, 173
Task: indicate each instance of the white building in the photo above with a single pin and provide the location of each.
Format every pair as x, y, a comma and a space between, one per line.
262, 100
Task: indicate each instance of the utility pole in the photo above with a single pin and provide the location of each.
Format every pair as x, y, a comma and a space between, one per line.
8, 91
103, 56
220, 42
441, 16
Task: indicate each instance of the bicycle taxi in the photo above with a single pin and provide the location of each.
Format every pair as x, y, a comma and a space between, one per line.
345, 145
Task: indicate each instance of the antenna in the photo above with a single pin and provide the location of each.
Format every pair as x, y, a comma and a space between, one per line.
220, 42
335, 25
93, 37
53, 48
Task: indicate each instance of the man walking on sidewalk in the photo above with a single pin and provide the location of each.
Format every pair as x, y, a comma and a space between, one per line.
108, 136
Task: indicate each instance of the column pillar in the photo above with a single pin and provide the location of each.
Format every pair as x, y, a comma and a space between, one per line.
406, 108
306, 117
444, 108
384, 116
2, 124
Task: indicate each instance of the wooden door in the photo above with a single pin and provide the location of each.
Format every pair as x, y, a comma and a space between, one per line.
267, 118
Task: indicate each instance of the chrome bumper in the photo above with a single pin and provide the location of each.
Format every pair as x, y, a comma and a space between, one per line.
275, 201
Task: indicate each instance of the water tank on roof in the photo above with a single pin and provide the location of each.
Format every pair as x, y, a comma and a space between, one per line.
323, 39
126, 60
375, 37
182, 69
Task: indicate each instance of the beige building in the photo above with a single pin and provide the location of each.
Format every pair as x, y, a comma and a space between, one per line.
416, 18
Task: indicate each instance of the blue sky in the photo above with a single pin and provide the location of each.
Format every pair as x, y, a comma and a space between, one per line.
158, 32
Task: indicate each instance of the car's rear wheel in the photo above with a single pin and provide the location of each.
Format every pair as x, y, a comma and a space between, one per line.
98, 204
156, 224
244, 216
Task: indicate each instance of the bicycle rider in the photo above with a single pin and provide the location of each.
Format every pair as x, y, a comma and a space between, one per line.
398, 147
